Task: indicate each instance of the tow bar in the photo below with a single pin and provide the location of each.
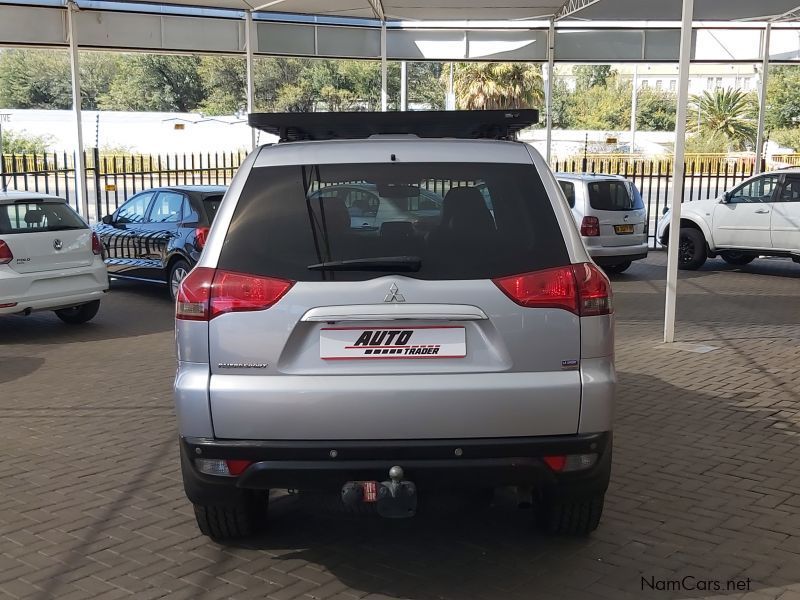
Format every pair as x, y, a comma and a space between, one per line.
394, 499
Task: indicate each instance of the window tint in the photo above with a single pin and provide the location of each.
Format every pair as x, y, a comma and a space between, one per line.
134, 210
758, 190
790, 191
569, 191
34, 216
167, 208
291, 217
613, 195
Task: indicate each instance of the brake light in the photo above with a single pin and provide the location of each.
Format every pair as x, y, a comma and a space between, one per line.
6, 255
582, 289
590, 227
205, 293
97, 247
237, 467
200, 237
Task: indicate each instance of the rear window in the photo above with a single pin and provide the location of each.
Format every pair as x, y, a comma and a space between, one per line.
463, 221
36, 216
211, 204
569, 192
614, 195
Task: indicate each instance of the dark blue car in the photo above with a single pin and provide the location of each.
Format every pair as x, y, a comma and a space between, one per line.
158, 234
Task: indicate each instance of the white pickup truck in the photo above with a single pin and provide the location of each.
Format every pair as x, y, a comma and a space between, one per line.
760, 217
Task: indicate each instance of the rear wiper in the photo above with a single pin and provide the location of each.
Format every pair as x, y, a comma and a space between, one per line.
378, 263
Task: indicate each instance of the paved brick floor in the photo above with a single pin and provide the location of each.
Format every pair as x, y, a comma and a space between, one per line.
706, 477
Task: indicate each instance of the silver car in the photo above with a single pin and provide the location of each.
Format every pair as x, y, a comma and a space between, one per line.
386, 363
611, 216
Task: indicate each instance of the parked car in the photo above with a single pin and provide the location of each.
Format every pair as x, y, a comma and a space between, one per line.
368, 208
49, 259
385, 363
158, 234
760, 217
611, 216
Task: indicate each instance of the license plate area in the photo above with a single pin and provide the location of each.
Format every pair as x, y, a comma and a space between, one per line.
623, 229
392, 343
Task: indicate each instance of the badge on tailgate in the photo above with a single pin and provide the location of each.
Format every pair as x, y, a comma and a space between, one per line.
341, 343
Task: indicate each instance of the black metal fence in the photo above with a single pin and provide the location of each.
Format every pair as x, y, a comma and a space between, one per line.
112, 179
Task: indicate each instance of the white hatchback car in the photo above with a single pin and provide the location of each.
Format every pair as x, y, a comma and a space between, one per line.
49, 259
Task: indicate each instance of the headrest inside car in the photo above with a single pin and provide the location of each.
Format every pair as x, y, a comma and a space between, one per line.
34, 216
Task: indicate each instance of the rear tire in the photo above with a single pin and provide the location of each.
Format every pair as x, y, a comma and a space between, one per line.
242, 519
178, 270
77, 315
691, 249
571, 517
738, 259
618, 268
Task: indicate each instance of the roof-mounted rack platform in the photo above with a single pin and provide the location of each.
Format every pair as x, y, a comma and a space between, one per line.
466, 124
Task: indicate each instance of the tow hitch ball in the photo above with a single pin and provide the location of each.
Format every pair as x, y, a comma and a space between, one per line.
394, 499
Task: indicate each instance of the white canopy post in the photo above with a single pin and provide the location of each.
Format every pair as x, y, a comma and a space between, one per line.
80, 160
251, 89
403, 86
548, 93
762, 100
678, 179
384, 74
634, 106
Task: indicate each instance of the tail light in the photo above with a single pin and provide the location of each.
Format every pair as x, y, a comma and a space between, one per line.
97, 246
570, 462
6, 255
590, 227
200, 237
206, 293
582, 289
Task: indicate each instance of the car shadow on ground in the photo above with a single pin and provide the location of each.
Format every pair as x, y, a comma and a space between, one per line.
670, 496
656, 270
130, 309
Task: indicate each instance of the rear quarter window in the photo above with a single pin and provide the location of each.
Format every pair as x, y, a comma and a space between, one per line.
492, 220
37, 216
211, 204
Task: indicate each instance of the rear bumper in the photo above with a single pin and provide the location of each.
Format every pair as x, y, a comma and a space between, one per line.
430, 464
614, 255
52, 290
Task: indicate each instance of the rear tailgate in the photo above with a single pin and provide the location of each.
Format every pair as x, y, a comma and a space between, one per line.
45, 235
620, 210
383, 351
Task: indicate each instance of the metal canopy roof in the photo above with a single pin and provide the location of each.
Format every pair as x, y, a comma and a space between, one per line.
511, 10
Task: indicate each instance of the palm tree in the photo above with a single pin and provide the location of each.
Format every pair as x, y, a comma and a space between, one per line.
480, 86
726, 113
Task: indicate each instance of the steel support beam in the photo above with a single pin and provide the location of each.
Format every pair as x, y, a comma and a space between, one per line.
403, 86
548, 93
249, 40
571, 7
80, 160
762, 99
384, 70
634, 106
678, 180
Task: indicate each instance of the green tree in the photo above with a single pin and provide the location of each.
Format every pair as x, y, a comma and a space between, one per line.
656, 110
224, 81
589, 76
426, 85
153, 82
604, 107
563, 105
790, 138
98, 70
498, 85
35, 79
20, 142
783, 97
728, 113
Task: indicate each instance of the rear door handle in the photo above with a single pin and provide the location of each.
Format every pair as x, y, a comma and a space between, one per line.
762, 211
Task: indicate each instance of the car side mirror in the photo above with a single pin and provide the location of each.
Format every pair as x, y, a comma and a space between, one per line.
726, 198
107, 220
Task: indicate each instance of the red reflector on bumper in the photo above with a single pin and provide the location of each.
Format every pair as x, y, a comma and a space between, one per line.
556, 463
237, 467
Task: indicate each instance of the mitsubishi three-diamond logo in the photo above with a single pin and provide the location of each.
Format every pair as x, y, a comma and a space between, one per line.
394, 294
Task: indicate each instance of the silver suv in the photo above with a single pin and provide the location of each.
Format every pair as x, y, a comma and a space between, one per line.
611, 216
386, 362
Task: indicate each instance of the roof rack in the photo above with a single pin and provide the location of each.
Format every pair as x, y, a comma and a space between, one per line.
472, 124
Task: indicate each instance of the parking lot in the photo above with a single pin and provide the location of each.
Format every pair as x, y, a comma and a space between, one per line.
706, 479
